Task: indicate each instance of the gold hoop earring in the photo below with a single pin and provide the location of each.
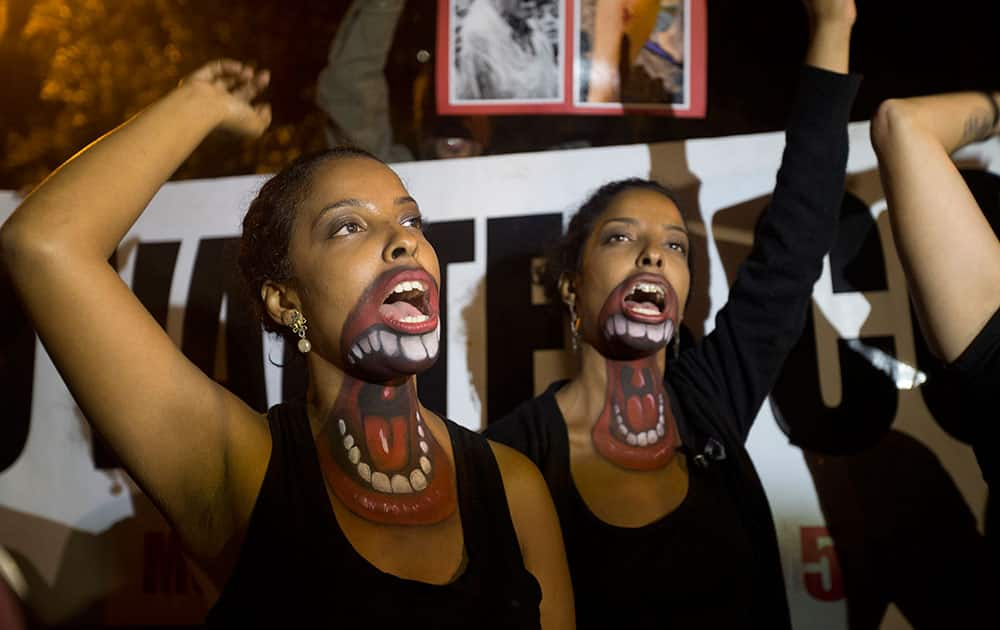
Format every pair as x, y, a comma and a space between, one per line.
298, 326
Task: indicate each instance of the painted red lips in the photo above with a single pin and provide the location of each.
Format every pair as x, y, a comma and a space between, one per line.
638, 317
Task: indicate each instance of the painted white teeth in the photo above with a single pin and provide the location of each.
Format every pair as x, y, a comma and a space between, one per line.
365, 346
401, 485
431, 344
356, 351
635, 329
348, 442
418, 480
354, 454
342, 426
621, 325
668, 330
390, 343
365, 472
373, 339
655, 333
425, 465
413, 350
380, 481
609, 328
423, 447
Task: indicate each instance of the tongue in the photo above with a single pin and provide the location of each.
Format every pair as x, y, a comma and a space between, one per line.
640, 412
387, 443
642, 305
399, 310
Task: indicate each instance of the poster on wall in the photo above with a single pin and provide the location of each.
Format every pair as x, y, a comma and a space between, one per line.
592, 57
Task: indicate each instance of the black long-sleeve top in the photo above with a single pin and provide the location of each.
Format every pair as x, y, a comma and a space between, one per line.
715, 559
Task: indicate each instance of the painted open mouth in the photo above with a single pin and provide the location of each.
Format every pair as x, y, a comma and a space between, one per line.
633, 431
395, 329
387, 451
640, 313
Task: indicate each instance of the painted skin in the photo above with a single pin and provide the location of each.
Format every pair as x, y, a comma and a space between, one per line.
636, 429
376, 453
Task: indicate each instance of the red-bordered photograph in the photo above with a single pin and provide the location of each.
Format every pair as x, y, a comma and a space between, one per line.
598, 57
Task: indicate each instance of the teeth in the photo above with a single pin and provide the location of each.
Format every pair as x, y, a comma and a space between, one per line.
418, 480
389, 342
409, 285
413, 350
620, 324
423, 447
660, 429
414, 319
365, 346
356, 351
365, 472
420, 431
431, 343
622, 429
631, 439
425, 465
652, 437
637, 330
380, 481
348, 442
401, 485
342, 426
609, 328
373, 339
655, 333
668, 330
641, 439
646, 287
354, 454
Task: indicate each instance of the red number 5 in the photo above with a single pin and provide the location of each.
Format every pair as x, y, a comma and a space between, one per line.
820, 568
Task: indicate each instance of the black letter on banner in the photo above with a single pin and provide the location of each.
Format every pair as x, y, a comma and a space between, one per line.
454, 242
151, 279
869, 396
215, 274
17, 369
515, 327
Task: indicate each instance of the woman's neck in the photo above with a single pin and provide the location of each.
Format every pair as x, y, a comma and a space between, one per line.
377, 453
626, 409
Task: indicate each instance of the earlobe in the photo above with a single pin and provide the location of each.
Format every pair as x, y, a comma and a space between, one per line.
567, 289
279, 302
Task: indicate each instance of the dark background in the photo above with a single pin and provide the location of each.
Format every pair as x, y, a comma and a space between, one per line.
71, 70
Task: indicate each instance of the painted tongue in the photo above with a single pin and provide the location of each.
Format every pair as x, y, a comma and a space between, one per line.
387, 442
640, 412
399, 310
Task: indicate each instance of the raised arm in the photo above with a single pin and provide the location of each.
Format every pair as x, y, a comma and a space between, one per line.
739, 361
182, 437
949, 252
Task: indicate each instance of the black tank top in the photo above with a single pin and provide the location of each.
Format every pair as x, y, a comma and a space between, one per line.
297, 567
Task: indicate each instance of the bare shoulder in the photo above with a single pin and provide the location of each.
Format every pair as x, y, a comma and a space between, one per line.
522, 480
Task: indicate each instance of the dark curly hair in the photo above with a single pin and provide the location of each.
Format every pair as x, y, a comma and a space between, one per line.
267, 227
566, 254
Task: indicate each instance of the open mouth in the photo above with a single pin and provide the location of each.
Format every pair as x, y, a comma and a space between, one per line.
392, 463
640, 313
633, 431
395, 328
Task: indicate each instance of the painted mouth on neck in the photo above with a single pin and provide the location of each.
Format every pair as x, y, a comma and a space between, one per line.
383, 462
633, 431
